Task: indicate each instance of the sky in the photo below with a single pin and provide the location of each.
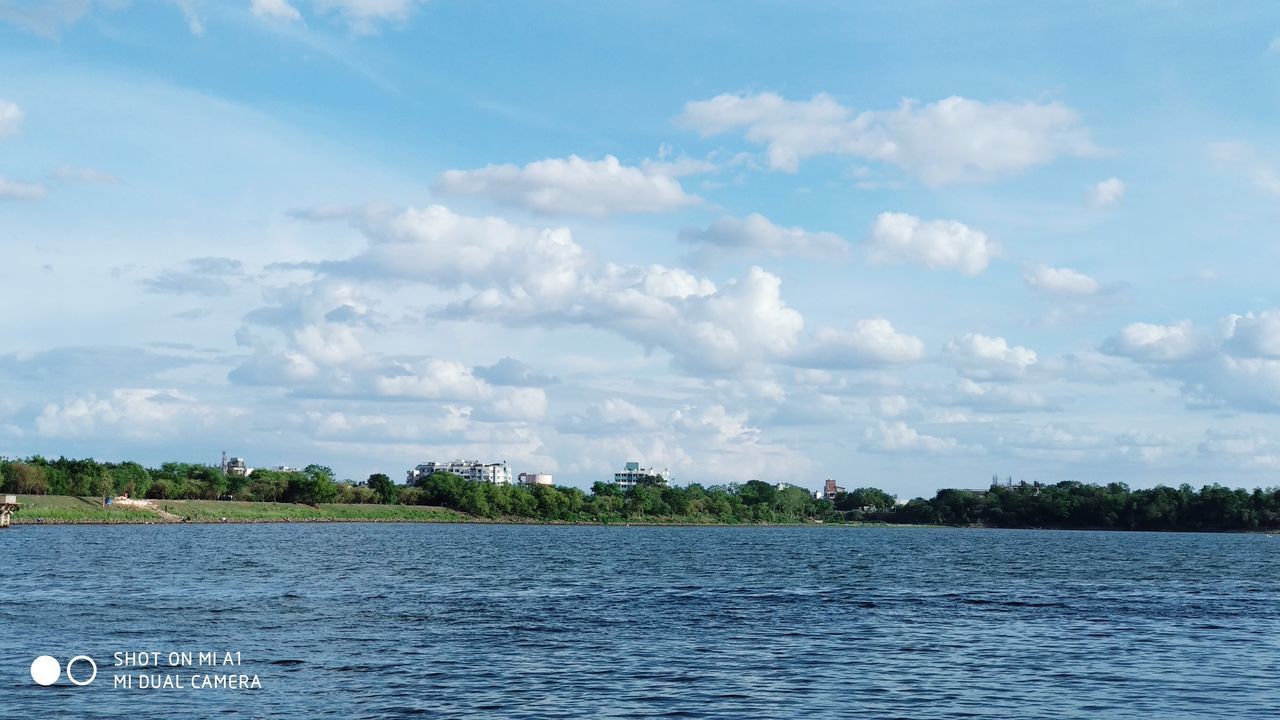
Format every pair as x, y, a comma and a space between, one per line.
907, 245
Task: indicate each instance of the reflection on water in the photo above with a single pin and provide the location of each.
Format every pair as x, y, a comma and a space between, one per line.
512, 621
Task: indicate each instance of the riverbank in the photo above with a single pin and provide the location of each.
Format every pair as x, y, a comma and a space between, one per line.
68, 510
65, 510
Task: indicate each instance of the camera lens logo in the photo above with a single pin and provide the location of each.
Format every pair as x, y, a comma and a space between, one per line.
46, 670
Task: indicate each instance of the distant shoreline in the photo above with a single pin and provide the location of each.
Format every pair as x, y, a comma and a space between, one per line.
64, 510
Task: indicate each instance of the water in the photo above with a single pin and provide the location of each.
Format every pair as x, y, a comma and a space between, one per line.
584, 622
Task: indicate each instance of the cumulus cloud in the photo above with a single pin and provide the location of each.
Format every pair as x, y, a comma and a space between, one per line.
995, 397
524, 276
756, 232
14, 190
898, 437
1107, 192
316, 349
135, 413
936, 244
1053, 437
10, 118
951, 140
1253, 335
572, 186
1156, 343
1251, 448
870, 342
611, 416
436, 246
276, 9
984, 358
1238, 368
1060, 281
704, 327
509, 371
888, 406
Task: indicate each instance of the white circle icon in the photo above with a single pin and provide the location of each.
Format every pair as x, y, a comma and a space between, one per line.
45, 670
92, 664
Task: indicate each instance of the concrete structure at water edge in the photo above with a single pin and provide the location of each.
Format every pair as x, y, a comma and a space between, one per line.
536, 479
8, 504
632, 474
473, 470
829, 491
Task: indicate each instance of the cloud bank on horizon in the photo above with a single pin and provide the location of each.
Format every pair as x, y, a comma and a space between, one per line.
370, 233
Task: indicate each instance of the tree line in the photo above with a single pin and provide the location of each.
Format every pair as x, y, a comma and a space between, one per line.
38, 475
1023, 505
1077, 505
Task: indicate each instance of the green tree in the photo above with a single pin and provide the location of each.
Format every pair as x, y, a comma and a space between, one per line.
386, 490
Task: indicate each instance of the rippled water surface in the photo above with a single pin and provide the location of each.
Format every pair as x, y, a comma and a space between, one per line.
383, 620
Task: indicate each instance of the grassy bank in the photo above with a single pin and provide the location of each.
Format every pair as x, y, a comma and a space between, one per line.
62, 509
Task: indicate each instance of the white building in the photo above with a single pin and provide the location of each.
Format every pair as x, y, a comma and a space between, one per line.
536, 479
632, 474
473, 470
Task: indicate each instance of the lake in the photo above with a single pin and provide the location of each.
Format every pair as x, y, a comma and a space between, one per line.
389, 620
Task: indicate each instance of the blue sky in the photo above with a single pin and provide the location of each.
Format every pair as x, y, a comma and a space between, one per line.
909, 246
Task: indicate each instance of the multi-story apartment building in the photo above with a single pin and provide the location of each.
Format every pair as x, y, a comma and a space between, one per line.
632, 474
473, 470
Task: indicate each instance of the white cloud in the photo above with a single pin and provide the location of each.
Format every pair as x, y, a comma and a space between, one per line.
1060, 281
318, 351
994, 397
704, 327
1146, 342
1107, 192
1242, 158
88, 176
898, 437
194, 24
1274, 47
209, 276
611, 416
936, 244
436, 246
1239, 369
1251, 384
277, 9
947, 141
571, 186
870, 342
1253, 335
13, 190
1137, 438
135, 413
888, 406
365, 16
47, 17
982, 357
756, 232
1251, 449
10, 118
523, 276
